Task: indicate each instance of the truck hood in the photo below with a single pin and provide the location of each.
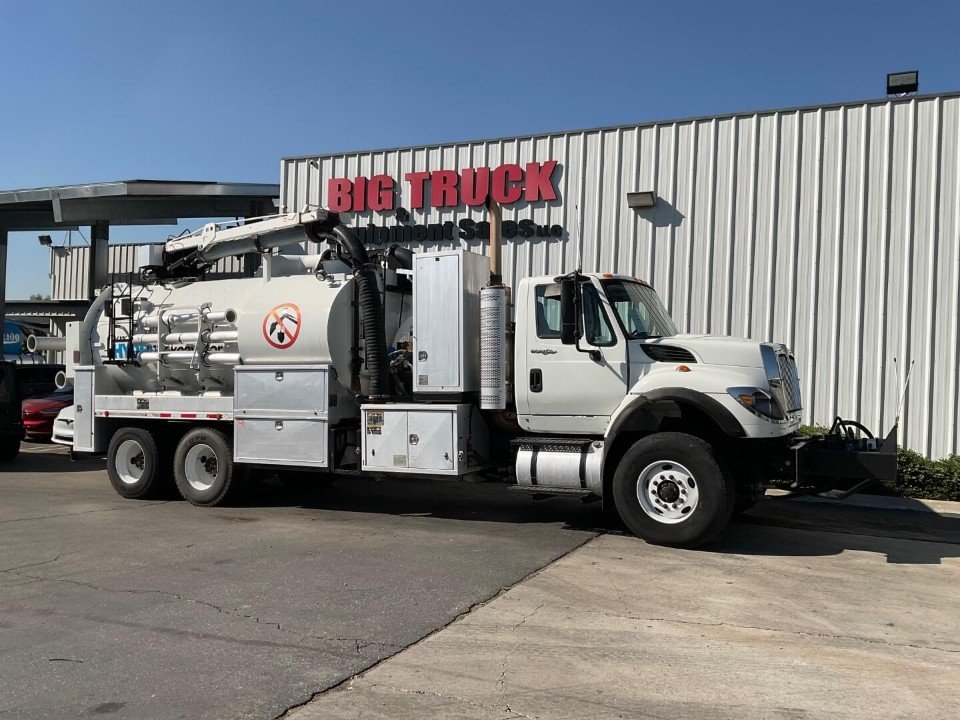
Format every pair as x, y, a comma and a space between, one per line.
719, 349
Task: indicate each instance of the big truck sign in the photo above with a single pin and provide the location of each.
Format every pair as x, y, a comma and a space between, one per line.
507, 184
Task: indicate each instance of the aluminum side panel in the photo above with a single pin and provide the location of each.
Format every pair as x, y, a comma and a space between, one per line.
300, 443
430, 436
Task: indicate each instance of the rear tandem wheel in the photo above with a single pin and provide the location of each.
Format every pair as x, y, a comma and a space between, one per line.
203, 467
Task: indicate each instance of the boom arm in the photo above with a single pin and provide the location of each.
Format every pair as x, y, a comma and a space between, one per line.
212, 242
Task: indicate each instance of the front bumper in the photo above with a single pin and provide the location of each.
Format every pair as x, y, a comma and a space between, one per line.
840, 465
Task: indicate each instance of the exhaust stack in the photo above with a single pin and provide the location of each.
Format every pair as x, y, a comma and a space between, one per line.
494, 306
493, 348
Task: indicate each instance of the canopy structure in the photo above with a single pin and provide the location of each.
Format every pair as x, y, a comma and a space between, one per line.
124, 202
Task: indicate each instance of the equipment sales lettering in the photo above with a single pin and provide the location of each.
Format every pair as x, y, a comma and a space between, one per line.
507, 184
465, 229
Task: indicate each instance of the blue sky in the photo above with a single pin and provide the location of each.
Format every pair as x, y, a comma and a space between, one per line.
96, 91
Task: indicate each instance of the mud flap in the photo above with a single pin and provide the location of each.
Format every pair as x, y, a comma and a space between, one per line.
836, 465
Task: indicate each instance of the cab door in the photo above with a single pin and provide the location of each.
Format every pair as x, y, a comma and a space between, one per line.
560, 388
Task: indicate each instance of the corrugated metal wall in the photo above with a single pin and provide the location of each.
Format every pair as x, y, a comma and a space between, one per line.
832, 229
68, 268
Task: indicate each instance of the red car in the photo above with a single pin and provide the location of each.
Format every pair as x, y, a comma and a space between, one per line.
39, 413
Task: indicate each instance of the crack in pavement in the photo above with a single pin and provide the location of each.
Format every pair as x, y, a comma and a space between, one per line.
30, 565
502, 680
359, 644
87, 512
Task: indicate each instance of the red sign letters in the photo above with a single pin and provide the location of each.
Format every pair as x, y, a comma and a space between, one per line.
506, 184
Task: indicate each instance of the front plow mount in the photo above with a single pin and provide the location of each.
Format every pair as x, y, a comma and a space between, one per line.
845, 460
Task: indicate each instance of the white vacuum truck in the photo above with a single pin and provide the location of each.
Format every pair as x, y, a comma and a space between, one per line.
386, 363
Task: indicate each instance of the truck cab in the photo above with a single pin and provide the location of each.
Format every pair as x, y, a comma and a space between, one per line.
626, 347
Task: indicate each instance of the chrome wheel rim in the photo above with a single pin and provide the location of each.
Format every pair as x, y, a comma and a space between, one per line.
668, 492
200, 467
129, 462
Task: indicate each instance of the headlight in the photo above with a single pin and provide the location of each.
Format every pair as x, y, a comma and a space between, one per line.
757, 401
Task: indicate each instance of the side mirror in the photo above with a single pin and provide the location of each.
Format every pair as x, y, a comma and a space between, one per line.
568, 311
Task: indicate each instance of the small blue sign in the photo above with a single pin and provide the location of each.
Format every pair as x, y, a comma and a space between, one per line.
120, 350
12, 339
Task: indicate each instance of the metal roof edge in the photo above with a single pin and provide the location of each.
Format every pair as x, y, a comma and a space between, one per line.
625, 126
116, 188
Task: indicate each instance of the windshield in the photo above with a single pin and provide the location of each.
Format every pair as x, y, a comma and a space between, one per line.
639, 309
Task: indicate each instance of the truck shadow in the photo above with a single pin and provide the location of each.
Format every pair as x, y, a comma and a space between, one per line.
424, 497
49, 458
776, 528
789, 528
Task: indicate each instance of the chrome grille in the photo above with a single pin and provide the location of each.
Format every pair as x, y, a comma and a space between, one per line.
781, 369
790, 380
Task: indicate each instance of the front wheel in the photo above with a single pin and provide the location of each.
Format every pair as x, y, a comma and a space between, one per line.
203, 467
671, 489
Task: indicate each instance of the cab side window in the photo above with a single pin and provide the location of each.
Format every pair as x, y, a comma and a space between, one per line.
548, 311
594, 323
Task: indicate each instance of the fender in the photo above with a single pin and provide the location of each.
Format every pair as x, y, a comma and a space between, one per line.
706, 404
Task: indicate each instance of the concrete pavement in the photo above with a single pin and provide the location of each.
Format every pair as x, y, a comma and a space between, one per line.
134, 609
769, 623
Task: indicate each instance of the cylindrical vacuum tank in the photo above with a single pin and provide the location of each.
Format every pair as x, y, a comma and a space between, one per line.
38, 343
493, 348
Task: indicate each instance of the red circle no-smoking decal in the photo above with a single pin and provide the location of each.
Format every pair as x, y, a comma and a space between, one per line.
281, 326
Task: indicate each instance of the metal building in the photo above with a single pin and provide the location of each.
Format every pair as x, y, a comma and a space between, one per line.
69, 268
834, 229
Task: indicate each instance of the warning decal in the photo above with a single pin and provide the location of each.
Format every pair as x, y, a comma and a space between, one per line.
281, 326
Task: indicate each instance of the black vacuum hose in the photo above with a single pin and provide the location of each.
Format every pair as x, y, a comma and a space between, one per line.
376, 366
400, 257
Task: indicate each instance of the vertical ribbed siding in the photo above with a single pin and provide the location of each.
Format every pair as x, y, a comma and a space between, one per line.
68, 268
832, 229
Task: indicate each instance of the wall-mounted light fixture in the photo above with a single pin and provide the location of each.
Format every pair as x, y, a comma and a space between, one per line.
901, 83
644, 199
45, 239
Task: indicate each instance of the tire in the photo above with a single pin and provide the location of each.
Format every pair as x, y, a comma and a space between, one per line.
134, 465
672, 489
9, 449
203, 467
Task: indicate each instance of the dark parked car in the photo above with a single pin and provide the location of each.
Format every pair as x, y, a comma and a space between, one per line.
36, 380
11, 426
40, 412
